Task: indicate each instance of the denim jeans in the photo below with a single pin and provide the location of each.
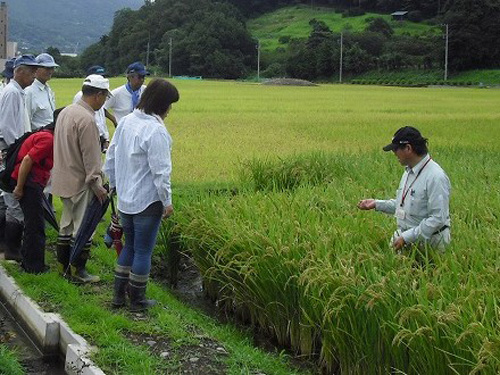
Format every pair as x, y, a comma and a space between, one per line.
140, 239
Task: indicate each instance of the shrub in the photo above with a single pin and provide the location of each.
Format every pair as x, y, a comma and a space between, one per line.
284, 39
415, 16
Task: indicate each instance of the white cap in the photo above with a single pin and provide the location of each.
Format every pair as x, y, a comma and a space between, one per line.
97, 81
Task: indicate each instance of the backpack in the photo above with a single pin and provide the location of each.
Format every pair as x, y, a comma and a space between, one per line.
7, 183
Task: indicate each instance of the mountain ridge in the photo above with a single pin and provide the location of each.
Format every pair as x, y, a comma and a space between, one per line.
68, 25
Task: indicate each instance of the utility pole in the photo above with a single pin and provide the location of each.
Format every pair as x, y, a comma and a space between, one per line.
170, 58
446, 54
258, 60
147, 52
341, 55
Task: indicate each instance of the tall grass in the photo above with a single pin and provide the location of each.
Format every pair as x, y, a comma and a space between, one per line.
9, 363
292, 253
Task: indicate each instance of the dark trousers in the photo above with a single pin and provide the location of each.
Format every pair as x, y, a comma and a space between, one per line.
33, 248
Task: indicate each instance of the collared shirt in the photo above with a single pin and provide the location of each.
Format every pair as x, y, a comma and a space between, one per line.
138, 162
424, 197
77, 151
13, 115
100, 118
40, 104
121, 102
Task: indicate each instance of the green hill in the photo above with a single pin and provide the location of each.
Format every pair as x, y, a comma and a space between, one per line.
293, 22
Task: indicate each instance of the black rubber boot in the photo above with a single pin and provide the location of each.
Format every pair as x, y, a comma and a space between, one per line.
121, 286
63, 248
13, 238
79, 270
137, 293
3, 245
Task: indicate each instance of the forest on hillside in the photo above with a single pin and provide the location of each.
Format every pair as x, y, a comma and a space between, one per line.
210, 38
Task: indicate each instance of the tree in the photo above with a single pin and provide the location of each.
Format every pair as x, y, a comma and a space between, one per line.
381, 26
210, 39
474, 28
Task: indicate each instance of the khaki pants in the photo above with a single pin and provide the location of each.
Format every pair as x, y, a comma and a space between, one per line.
73, 211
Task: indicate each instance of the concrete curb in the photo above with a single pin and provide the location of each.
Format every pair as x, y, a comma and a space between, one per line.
52, 335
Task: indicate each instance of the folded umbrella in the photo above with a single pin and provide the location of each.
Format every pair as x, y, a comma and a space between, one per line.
93, 215
114, 233
48, 213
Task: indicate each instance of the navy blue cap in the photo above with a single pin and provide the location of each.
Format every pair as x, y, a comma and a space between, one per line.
137, 68
28, 60
96, 69
405, 135
8, 72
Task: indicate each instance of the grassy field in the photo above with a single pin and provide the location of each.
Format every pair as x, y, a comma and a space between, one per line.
285, 248
9, 364
217, 125
293, 22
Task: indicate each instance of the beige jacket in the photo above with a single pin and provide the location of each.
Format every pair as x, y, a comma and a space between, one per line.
77, 151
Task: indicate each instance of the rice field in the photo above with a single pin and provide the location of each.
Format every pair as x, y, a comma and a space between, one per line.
266, 180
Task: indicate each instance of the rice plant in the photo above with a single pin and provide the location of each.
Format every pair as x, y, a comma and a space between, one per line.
294, 254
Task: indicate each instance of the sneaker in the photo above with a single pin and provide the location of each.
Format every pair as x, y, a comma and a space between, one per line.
82, 276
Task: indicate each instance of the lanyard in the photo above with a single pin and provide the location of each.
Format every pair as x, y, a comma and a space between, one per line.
405, 190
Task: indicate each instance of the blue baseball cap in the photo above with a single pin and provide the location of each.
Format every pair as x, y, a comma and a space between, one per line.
28, 60
8, 72
46, 61
96, 69
137, 68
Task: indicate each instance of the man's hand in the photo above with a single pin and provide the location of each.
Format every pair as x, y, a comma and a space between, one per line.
399, 243
101, 194
366, 204
18, 192
169, 210
104, 146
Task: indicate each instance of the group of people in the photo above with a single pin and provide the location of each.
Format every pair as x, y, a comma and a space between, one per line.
65, 152
66, 149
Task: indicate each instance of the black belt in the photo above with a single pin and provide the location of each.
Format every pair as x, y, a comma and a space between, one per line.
444, 227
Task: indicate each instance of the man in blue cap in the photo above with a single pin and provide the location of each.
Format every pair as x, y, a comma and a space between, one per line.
40, 99
7, 73
125, 98
14, 123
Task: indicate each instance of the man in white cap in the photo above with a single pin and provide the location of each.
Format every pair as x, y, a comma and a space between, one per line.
14, 123
125, 98
77, 175
102, 114
40, 99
